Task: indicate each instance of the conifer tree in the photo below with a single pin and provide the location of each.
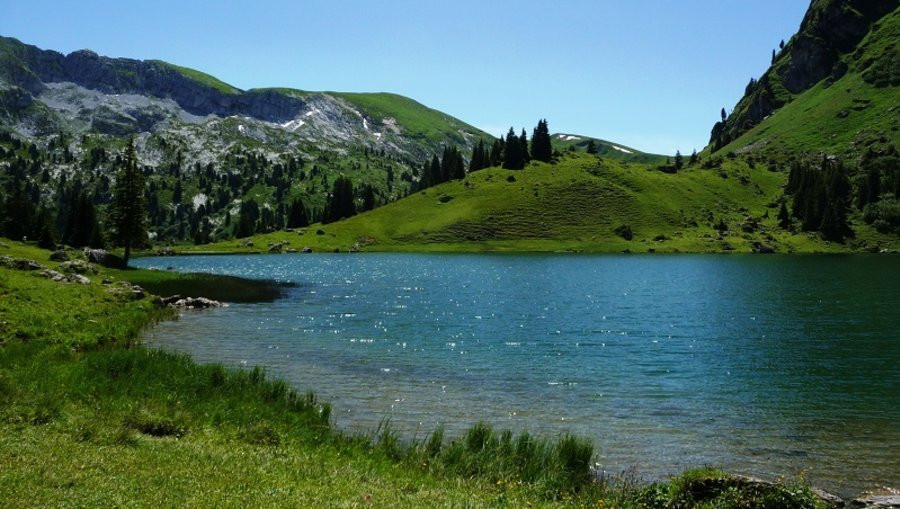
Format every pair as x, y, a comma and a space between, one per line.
128, 222
724, 115
591, 147
496, 155
297, 216
693, 160
19, 214
523, 145
43, 230
679, 160
434, 172
479, 158
541, 149
341, 203
512, 152
784, 219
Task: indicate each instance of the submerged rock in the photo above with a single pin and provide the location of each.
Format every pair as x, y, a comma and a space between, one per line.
883, 498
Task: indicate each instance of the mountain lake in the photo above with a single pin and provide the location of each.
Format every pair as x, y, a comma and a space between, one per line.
766, 365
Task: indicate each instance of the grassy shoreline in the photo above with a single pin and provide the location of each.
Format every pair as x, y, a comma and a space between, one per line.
89, 417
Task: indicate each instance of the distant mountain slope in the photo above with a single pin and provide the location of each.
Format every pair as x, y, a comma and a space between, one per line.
617, 151
832, 88
44, 92
581, 203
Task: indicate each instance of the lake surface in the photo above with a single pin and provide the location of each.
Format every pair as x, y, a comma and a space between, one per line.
769, 365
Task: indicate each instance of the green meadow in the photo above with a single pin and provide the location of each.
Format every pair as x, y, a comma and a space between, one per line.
579, 204
90, 417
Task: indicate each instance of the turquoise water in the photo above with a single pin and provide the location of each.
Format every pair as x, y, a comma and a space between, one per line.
768, 365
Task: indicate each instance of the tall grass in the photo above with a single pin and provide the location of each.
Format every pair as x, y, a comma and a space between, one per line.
212, 286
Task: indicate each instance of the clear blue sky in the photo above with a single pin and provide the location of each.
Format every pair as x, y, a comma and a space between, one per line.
651, 74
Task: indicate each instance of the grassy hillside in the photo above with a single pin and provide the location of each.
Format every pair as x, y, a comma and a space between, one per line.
575, 205
844, 118
846, 113
567, 142
416, 119
201, 77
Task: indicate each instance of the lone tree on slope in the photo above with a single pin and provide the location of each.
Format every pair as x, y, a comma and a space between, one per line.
541, 150
127, 216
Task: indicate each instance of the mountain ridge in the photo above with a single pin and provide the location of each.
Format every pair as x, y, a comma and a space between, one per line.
838, 41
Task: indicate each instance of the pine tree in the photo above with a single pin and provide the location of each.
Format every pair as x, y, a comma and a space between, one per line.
128, 222
724, 115
497, 148
834, 225
434, 172
512, 152
679, 160
523, 145
784, 219
368, 198
541, 149
591, 147
297, 216
342, 202
479, 159
19, 214
693, 160
43, 230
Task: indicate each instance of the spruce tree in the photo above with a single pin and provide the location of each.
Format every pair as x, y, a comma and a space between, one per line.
43, 230
512, 152
19, 214
478, 161
128, 222
434, 172
541, 149
693, 160
784, 219
679, 160
496, 157
341, 203
591, 147
523, 144
297, 216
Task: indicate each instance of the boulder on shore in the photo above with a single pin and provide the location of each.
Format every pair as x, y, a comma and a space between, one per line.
77, 267
759, 247
19, 263
59, 256
177, 301
104, 258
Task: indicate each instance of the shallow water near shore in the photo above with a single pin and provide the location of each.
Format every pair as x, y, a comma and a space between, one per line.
769, 365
